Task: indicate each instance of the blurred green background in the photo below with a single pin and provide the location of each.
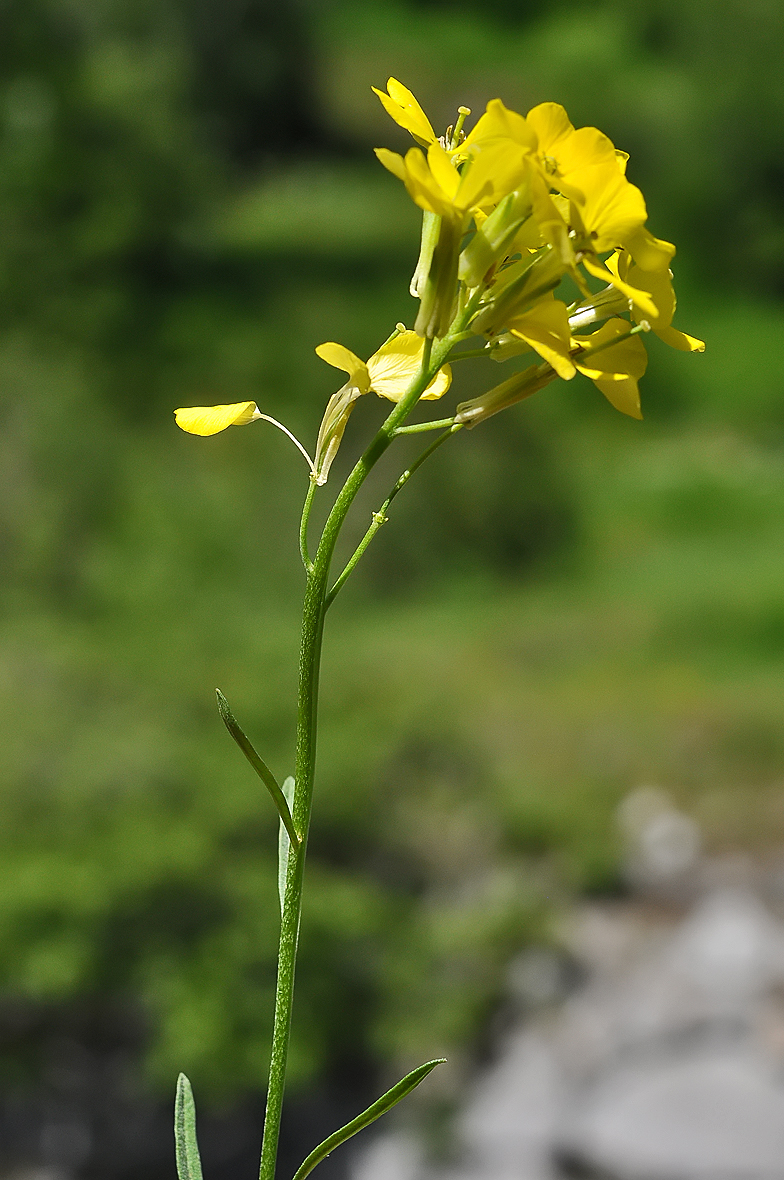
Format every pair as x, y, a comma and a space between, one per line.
565, 605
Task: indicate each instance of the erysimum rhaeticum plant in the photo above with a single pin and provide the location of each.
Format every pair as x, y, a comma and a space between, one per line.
515, 211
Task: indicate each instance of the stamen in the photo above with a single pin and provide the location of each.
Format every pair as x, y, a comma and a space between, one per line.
457, 134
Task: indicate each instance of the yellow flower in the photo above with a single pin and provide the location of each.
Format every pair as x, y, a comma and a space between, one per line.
610, 209
604, 209
634, 295
389, 373
562, 151
655, 285
545, 328
400, 105
614, 368
437, 186
205, 420
498, 123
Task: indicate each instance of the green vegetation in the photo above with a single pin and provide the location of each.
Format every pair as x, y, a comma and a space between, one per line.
577, 604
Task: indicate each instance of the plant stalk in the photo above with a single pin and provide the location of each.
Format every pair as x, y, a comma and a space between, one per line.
314, 609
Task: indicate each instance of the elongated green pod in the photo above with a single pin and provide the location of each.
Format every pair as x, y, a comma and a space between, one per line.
185, 1142
259, 765
381, 1106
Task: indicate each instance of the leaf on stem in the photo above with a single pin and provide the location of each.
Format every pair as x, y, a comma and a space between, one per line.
284, 843
385, 1103
259, 765
185, 1142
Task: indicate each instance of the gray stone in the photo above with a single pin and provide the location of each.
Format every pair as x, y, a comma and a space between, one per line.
708, 1117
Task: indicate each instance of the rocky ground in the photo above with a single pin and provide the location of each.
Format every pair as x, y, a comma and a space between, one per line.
666, 1062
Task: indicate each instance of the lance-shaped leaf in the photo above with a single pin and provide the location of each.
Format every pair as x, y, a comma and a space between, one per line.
186, 1145
259, 765
385, 1103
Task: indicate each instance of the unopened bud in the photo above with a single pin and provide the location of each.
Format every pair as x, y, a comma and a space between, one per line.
491, 241
439, 295
513, 390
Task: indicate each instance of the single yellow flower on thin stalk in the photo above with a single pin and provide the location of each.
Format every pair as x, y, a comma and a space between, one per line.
207, 420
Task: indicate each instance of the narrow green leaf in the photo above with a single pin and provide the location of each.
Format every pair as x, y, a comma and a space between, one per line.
259, 765
284, 843
186, 1145
385, 1103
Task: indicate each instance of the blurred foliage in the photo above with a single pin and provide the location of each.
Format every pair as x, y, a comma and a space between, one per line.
566, 605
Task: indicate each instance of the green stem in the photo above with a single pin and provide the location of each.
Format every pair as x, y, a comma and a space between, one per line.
421, 427
468, 354
303, 526
314, 608
380, 518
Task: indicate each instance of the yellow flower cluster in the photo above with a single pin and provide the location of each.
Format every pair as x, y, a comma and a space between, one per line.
541, 201
510, 210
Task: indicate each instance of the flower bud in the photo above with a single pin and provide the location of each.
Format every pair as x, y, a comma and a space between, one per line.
517, 288
515, 389
439, 294
491, 242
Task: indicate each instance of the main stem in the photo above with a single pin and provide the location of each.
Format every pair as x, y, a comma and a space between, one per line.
313, 612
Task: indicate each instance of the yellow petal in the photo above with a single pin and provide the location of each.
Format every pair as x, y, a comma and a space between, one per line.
623, 394
648, 252
392, 161
439, 385
658, 283
641, 299
422, 186
495, 169
680, 340
546, 329
397, 363
400, 105
551, 123
343, 358
498, 122
614, 362
616, 369
584, 148
612, 208
443, 170
205, 420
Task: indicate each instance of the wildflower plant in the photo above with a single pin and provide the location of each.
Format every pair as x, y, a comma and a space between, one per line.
516, 210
